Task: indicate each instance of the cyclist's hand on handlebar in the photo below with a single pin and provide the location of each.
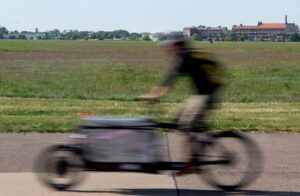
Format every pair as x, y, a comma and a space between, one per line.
155, 94
150, 98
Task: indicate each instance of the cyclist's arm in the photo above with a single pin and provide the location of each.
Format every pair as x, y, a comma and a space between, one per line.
163, 86
171, 75
156, 92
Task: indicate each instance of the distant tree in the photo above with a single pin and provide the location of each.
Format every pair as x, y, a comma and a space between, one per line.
101, 35
22, 32
272, 39
56, 34
261, 39
12, 37
222, 36
120, 34
161, 36
135, 36
108, 35
22, 37
146, 37
233, 37
227, 38
3, 30
196, 37
244, 37
53, 34
83, 35
98, 35
295, 37
73, 35
47, 36
132, 37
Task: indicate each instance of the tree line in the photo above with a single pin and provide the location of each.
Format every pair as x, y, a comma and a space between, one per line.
73, 35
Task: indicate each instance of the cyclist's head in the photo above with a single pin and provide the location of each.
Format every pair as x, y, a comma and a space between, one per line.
175, 41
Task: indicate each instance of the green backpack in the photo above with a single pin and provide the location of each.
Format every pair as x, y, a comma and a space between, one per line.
210, 65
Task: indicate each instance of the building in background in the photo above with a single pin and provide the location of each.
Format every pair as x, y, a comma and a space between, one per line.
213, 33
33, 36
261, 31
266, 31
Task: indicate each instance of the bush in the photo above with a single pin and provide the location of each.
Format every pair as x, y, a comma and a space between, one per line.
196, 37
146, 38
22, 37
295, 37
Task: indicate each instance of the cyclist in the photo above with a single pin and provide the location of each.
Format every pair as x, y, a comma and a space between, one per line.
206, 74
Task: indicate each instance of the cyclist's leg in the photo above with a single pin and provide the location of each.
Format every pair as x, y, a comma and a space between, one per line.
196, 108
198, 123
192, 117
193, 108
193, 113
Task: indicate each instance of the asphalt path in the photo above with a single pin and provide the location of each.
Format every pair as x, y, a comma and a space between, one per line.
280, 175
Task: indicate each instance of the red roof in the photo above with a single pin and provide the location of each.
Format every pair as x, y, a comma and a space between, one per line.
272, 26
261, 26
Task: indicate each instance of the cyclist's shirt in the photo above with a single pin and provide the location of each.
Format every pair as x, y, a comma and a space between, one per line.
201, 66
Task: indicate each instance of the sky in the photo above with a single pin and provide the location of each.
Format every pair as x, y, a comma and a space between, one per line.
142, 15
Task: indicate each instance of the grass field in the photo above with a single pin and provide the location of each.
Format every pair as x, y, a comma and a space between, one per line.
44, 85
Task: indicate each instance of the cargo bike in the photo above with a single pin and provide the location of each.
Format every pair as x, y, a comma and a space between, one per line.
227, 160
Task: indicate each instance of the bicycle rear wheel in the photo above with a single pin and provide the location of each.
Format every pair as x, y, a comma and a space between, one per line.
232, 161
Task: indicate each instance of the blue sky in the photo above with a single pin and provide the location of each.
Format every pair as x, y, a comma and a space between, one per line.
142, 15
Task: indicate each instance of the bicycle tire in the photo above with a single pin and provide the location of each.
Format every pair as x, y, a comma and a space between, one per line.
252, 166
49, 167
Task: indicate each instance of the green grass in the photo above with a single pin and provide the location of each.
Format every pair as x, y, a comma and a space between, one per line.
54, 115
256, 72
61, 46
259, 75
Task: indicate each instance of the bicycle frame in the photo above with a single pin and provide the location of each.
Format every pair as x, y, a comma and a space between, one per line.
48, 163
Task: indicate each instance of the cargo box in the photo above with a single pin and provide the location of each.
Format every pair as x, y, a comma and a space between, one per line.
121, 140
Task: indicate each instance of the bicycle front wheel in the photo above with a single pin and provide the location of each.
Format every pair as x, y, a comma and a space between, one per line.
59, 168
232, 161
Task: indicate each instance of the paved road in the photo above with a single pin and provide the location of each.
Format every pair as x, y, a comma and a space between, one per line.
281, 174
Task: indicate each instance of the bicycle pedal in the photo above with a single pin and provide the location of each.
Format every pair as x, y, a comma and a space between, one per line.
188, 170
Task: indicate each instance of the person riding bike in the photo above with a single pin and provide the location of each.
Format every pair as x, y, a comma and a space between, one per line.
206, 74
